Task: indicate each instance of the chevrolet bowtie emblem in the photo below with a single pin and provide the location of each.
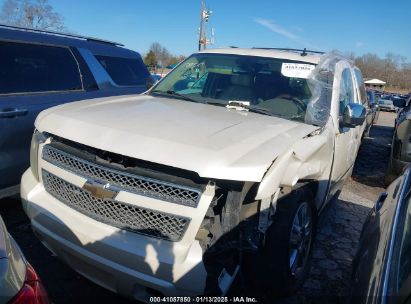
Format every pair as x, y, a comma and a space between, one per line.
99, 190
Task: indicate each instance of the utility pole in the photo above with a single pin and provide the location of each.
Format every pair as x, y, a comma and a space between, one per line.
201, 25
202, 34
206, 16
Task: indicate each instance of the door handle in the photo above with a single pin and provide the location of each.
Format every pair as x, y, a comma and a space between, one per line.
11, 113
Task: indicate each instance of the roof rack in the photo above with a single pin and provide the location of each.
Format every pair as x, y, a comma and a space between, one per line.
304, 52
59, 34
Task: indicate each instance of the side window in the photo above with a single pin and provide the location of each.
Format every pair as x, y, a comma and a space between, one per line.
194, 77
346, 90
32, 68
124, 71
361, 86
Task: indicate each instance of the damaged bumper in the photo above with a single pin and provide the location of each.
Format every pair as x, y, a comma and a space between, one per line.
128, 263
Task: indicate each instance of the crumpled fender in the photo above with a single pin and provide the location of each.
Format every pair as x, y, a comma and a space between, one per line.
309, 158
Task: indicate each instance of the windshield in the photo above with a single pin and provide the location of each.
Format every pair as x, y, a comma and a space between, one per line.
269, 86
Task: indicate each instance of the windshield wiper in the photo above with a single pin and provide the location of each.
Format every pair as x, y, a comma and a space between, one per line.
175, 94
245, 106
264, 111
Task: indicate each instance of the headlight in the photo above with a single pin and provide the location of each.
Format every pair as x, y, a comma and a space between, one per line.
36, 140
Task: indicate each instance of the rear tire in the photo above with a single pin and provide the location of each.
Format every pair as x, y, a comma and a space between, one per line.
283, 262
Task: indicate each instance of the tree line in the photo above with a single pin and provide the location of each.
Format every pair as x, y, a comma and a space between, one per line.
159, 56
393, 69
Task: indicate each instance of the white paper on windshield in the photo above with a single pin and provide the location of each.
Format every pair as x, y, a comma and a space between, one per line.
297, 70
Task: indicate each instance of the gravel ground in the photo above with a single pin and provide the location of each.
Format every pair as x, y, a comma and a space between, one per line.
333, 251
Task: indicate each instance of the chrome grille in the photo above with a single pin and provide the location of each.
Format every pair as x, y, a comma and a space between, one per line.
118, 214
125, 181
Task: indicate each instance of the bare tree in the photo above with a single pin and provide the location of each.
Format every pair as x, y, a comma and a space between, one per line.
161, 53
392, 69
163, 56
38, 14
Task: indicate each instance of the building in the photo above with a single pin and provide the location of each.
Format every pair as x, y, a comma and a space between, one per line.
375, 84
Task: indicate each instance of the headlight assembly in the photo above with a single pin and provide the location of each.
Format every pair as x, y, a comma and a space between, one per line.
37, 139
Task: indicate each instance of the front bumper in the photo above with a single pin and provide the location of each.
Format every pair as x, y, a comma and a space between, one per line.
121, 261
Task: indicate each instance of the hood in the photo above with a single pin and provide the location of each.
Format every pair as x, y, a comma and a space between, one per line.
213, 141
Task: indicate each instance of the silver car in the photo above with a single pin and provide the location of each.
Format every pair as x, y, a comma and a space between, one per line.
387, 105
19, 283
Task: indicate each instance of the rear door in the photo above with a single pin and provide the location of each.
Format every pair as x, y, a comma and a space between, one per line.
33, 77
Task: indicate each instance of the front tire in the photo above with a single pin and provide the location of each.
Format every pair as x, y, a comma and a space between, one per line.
283, 261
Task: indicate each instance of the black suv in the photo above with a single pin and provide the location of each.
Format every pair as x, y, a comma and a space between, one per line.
41, 69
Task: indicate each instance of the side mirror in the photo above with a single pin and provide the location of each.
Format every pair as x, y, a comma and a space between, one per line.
354, 115
150, 82
399, 103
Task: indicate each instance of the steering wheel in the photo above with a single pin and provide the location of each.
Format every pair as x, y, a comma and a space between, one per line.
298, 102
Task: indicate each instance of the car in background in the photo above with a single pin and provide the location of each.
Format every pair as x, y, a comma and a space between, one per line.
373, 111
382, 266
399, 100
41, 69
400, 154
373, 105
19, 282
386, 104
377, 95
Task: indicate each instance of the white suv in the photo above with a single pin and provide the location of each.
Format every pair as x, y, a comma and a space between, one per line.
220, 170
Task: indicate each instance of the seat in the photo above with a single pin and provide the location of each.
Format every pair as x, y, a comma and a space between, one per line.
240, 88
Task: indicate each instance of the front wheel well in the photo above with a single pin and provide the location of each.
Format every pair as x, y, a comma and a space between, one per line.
312, 185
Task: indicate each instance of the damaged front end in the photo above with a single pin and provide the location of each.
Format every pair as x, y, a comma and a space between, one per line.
229, 231
234, 230
219, 216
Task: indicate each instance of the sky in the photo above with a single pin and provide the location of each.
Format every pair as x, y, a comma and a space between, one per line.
361, 26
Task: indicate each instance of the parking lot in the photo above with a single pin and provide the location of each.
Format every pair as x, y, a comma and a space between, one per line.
333, 251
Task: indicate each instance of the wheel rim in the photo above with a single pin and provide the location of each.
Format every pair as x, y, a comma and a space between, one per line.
300, 239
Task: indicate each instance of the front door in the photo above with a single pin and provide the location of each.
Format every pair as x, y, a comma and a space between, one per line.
347, 139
